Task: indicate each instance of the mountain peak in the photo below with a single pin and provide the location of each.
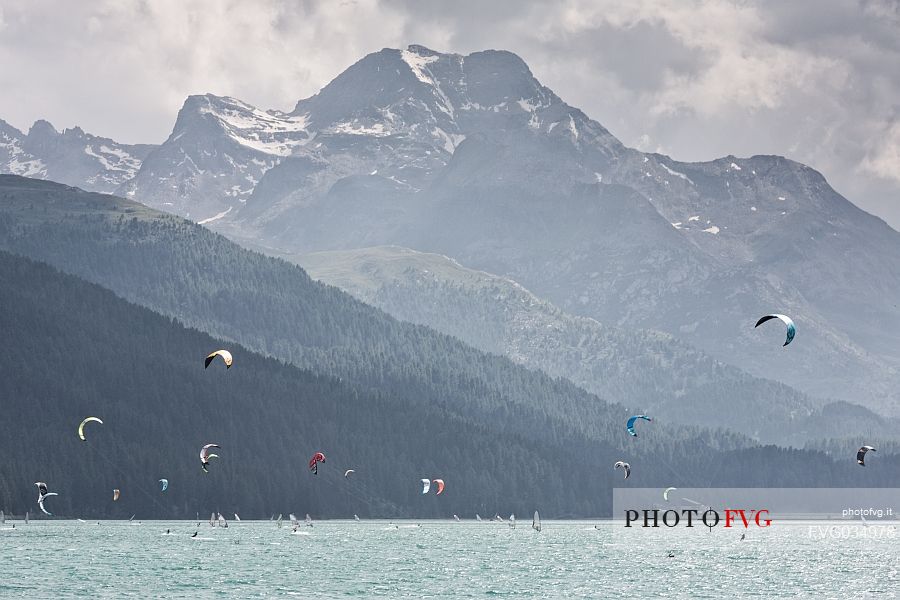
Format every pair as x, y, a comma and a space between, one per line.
453, 93
422, 50
42, 127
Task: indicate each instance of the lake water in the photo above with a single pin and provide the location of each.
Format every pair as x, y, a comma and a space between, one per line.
438, 559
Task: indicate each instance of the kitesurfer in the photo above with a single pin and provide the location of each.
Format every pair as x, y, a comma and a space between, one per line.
791, 329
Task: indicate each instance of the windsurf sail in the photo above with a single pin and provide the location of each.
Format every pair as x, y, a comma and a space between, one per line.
278, 522
2, 518
212, 519
222, 521
477, 517
26, 517
512, 521
294, 521
236, 517
536, 522
308, 520
356, 517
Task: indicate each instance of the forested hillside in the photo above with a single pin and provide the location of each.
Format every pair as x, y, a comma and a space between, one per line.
184, 271
648, 371
72, 349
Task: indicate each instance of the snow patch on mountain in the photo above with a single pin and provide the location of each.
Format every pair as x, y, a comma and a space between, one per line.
19, 162
113, 159
450, 140
573, 128
216, 217
675, 173
357, 128
418, 64
269, 132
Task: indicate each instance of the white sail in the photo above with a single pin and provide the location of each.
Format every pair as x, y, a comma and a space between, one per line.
236, 517
308, 520
477, 517
536, 522
26, 517
212, 519
456, 518
356, 517
294, 521
2, 518
278, 523
222, 521
512, 520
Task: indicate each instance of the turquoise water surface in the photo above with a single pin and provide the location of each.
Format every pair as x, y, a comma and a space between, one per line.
440, 559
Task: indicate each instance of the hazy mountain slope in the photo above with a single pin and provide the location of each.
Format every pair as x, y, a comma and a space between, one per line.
642, 369
470, 156
72, 157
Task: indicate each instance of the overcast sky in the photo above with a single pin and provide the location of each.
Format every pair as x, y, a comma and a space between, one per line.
816, 81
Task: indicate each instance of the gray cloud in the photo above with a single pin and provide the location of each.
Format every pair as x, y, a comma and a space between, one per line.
818, 82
